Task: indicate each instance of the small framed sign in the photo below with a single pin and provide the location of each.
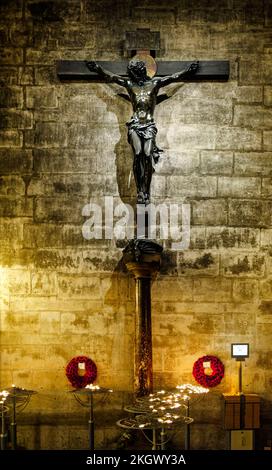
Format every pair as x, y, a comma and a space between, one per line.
240, 350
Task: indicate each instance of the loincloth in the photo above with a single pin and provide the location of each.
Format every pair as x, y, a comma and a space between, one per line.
145, 131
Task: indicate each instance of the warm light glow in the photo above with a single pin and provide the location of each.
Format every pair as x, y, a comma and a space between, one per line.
189, 389
92, 387
161, 405
4, 394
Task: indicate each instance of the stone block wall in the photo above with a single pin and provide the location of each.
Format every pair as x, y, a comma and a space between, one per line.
63, 145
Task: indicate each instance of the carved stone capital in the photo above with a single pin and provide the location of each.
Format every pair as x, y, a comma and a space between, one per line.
142, 257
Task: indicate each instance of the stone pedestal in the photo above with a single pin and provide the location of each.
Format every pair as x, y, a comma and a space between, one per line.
142, 258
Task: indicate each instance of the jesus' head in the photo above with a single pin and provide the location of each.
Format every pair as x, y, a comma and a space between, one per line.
137, 71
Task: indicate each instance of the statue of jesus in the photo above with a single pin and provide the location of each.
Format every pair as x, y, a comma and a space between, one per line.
142, 129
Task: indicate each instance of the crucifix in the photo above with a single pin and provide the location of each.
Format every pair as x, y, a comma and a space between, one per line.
142, 78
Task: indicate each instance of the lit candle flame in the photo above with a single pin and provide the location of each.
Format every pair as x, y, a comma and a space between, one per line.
92, 387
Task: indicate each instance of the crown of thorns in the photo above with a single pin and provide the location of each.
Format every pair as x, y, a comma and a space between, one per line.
136, 66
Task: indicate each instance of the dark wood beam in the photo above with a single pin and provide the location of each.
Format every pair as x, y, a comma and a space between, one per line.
208, 70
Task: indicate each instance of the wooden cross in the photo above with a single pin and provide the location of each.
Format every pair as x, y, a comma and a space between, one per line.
142, 79
216, 70
148, 42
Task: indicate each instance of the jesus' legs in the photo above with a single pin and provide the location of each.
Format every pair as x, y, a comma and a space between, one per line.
148, 148
138, 166
142, 166
139, 175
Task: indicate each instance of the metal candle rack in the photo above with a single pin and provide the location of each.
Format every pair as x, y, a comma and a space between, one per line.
190, 394
159, 411
138, 423
16, 399
85, 396
4, 434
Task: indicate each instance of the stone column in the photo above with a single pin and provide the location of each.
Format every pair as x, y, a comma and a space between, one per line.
142, 259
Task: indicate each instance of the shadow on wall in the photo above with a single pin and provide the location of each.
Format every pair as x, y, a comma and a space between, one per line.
119, 106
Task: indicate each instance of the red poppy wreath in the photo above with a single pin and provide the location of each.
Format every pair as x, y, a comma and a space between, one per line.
81, 371
208, 371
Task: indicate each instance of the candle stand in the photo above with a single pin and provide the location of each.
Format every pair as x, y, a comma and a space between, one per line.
159, 412
4, 410
190, 394
17, 400
85, 396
